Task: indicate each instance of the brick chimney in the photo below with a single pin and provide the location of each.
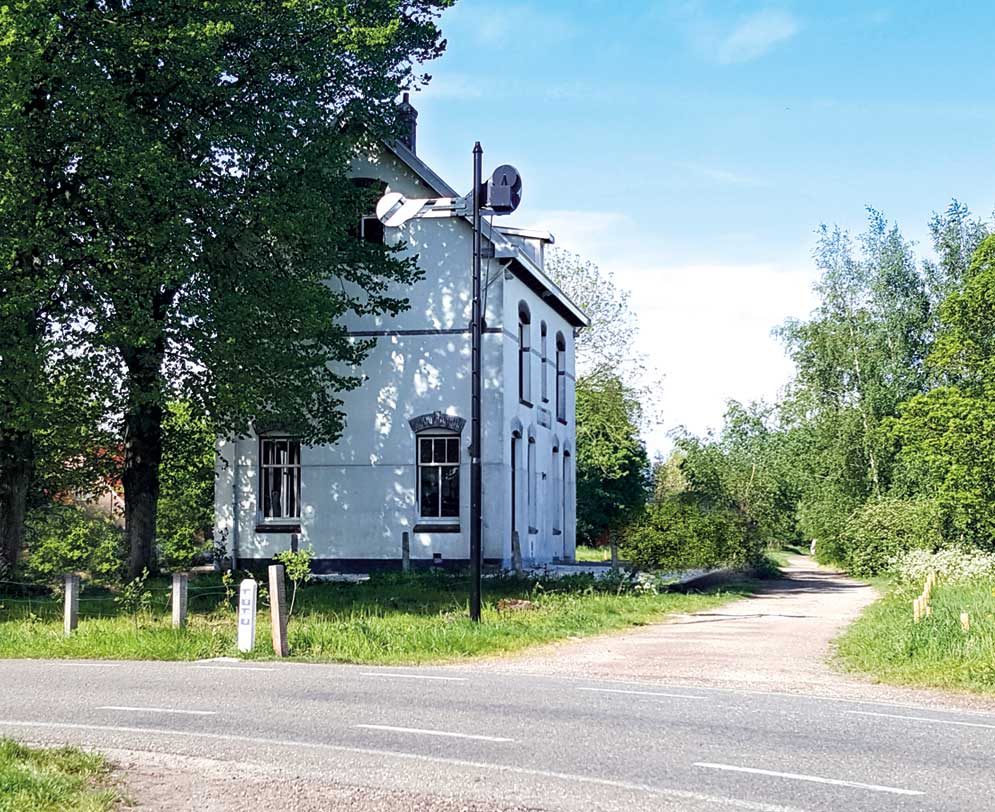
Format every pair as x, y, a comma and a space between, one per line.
409, 123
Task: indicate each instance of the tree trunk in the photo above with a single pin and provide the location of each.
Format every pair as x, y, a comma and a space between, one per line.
16, 463
142, 456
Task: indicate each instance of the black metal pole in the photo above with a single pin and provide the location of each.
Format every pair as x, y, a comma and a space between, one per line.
475, 446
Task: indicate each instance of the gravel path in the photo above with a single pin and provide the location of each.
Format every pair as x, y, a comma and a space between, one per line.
778, 640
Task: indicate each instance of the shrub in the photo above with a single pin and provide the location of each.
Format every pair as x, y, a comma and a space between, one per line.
952, 565
883, 530
64, 538
677, 534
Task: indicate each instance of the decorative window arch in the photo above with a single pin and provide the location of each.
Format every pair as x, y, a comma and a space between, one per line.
524, 354
561, 378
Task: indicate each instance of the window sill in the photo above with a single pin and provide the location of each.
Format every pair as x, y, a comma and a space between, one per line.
557, 532
561, 422
436, 528
263, 527
525, 402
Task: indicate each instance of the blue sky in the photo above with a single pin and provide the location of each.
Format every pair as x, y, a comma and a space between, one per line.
692, 148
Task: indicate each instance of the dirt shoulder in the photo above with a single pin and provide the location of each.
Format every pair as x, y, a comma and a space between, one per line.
777, 640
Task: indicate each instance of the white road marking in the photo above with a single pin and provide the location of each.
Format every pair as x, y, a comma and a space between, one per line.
231, 668
663, 792
929, 719
411, 676
425, 732
640, 693
815, 779
157, 710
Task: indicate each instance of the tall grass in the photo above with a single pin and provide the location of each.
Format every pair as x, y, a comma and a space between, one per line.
937, 652
391, 619
52, 780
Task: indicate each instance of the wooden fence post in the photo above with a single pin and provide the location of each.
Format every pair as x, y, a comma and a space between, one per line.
278, 610
405, 552
965, 621
71, 615
915, 610
180, 583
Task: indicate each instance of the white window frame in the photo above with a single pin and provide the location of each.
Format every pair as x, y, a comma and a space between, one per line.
289, 472
449, 436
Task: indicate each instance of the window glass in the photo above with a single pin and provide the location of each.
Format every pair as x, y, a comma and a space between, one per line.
280, 478
438, 476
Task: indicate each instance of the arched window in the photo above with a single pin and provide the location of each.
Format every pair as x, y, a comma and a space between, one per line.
561, 378
545, 356
369, 228
524, 354
566, 493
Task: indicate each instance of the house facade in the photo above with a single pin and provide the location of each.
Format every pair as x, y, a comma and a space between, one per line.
399, 477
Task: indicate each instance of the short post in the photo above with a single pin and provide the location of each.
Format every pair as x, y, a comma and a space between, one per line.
278, 610
614, 547
247, 593
71, 615
405, 552
965, 621
180, 584
916, 613
516, 553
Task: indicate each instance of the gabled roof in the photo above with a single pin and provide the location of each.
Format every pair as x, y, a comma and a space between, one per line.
508, 242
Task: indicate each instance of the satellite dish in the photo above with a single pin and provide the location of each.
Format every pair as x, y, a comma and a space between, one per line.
503, 192
388, 206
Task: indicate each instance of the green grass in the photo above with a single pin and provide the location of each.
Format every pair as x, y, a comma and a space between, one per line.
936, 653
53, 780
391, 619
584, 553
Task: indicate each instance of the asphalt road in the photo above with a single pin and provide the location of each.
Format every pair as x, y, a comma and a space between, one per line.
516, 740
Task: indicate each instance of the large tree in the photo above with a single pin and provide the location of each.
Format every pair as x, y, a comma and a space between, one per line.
200, 203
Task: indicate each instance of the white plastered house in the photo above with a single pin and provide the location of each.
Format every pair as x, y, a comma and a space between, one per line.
400, 472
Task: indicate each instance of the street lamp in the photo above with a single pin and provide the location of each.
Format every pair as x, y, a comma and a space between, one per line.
500, 195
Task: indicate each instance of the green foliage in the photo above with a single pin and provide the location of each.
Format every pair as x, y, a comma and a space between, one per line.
53, 780
680, 534
64, 538
612, 465
882, 530
151, 177
135, 596
186, 501
298, 566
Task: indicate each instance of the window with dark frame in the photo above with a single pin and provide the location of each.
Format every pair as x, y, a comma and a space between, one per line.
524, 354
561, 378
438, 476
545, 355
280, 477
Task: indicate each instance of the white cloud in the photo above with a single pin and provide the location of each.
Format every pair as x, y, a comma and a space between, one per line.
755, 35
743, 40
707, 329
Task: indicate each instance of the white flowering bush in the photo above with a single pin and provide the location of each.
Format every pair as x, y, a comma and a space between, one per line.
952, 565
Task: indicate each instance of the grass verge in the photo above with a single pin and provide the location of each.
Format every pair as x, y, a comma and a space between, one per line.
584, 553
53, 780
935, 653
391, 619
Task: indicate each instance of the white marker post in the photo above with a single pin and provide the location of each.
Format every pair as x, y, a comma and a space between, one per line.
247, 614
